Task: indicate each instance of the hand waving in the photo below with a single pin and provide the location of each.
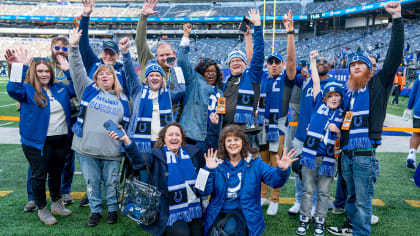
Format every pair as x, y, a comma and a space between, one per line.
74, 37
148, 7
87, 7
286, 159
288, 21
17, 56
254, 17
63, 63
211, 159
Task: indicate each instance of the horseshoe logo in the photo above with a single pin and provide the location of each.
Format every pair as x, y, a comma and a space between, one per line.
330, 150
310, 142
168, 119
275, 117
142, 127
358, 121
263, 102
245, 99
178, 197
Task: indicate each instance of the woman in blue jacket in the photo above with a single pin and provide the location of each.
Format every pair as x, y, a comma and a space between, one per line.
234, 184
203, 88
173, 164
44, 129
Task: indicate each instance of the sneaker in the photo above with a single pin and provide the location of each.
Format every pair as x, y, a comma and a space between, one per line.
94, 219
30, 206
319, 227
346, 229
338, 210
411, 162
46, 217
303, 225
112, 217
264, 201
84, 202
67, 199
272, 209
374, 219
294, 210
57, 208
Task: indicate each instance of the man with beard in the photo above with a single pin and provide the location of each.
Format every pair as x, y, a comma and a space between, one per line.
365, 105
59, 52
306, 109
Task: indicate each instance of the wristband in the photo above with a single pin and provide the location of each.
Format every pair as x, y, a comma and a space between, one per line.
291, 32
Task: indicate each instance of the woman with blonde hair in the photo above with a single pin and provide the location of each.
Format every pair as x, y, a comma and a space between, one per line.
99, 156
44, 128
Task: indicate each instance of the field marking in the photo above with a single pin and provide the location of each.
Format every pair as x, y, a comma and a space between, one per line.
8, 105
5, 193
74, 195
413, 203
9, 118
8, 123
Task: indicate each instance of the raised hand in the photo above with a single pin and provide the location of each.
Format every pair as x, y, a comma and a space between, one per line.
288, 21
187, 29
248, 30
17, 56
286, 160
74, 37
87, 7
313, 55
214, 118
63, 64
148, 7
211, 159
254, 17
124, 44
394, 9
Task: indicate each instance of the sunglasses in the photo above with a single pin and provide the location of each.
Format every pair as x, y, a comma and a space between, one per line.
325, 62
46, 59
57, 48
275, 61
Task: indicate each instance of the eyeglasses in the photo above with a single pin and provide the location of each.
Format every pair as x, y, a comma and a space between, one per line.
374, 65
275, 61
325, 62
210, 71
57, 48
46, 59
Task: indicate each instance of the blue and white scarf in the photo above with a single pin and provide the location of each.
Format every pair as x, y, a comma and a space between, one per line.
244, 105
212, 108
319, 132
359, 128
140, 131
181, 172
91, 92
270, 105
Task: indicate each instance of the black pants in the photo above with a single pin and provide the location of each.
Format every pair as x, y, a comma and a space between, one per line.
182, 228
396, 91
50, 161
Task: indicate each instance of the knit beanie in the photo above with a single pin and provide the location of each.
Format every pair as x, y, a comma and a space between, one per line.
153, 66
359, 56
237, 54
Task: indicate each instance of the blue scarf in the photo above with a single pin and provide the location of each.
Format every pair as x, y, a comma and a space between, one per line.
91, 92
244, 105
140, 128
181, 171
319, 132
359, 128
270, 105
212, 108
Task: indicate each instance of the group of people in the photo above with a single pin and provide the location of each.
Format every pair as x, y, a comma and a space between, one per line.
178, 119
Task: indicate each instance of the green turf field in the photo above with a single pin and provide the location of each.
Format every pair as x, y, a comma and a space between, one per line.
7, 105
393, 188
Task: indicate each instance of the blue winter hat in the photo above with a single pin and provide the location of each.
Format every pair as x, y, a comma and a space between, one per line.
237, 54
111, 45
275, 55
153, 66
334, 87
359, 56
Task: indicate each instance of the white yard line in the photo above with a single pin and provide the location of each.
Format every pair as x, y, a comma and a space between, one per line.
8, 105
8, 123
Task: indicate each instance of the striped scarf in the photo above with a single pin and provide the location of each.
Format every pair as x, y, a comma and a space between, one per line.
91, 92
183, 202
359, 128
244, 105
140, 128
319, 132
270, 105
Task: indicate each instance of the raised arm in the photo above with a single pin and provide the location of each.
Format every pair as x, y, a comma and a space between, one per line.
248, 43
143, 50
184, 56
314, 74
131, 78
77, 70
257, 61
64, 65
291, 50
16, 90
88, 55
277, 177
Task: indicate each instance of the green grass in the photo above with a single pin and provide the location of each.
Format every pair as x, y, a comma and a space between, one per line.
6, 100
397, 110
393, 187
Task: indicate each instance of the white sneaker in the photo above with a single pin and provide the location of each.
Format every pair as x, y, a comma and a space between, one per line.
264, 201
411, 161
374, 219
294, 210
272, 209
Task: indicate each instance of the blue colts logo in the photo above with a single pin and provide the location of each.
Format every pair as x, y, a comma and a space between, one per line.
310, 141
178, 196
245, 99
358, 121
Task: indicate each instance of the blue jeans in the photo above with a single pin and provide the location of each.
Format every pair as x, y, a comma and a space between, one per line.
340, 192
95, 171
359, 173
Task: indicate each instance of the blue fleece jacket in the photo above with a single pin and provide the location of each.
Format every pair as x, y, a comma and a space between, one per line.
34, 120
